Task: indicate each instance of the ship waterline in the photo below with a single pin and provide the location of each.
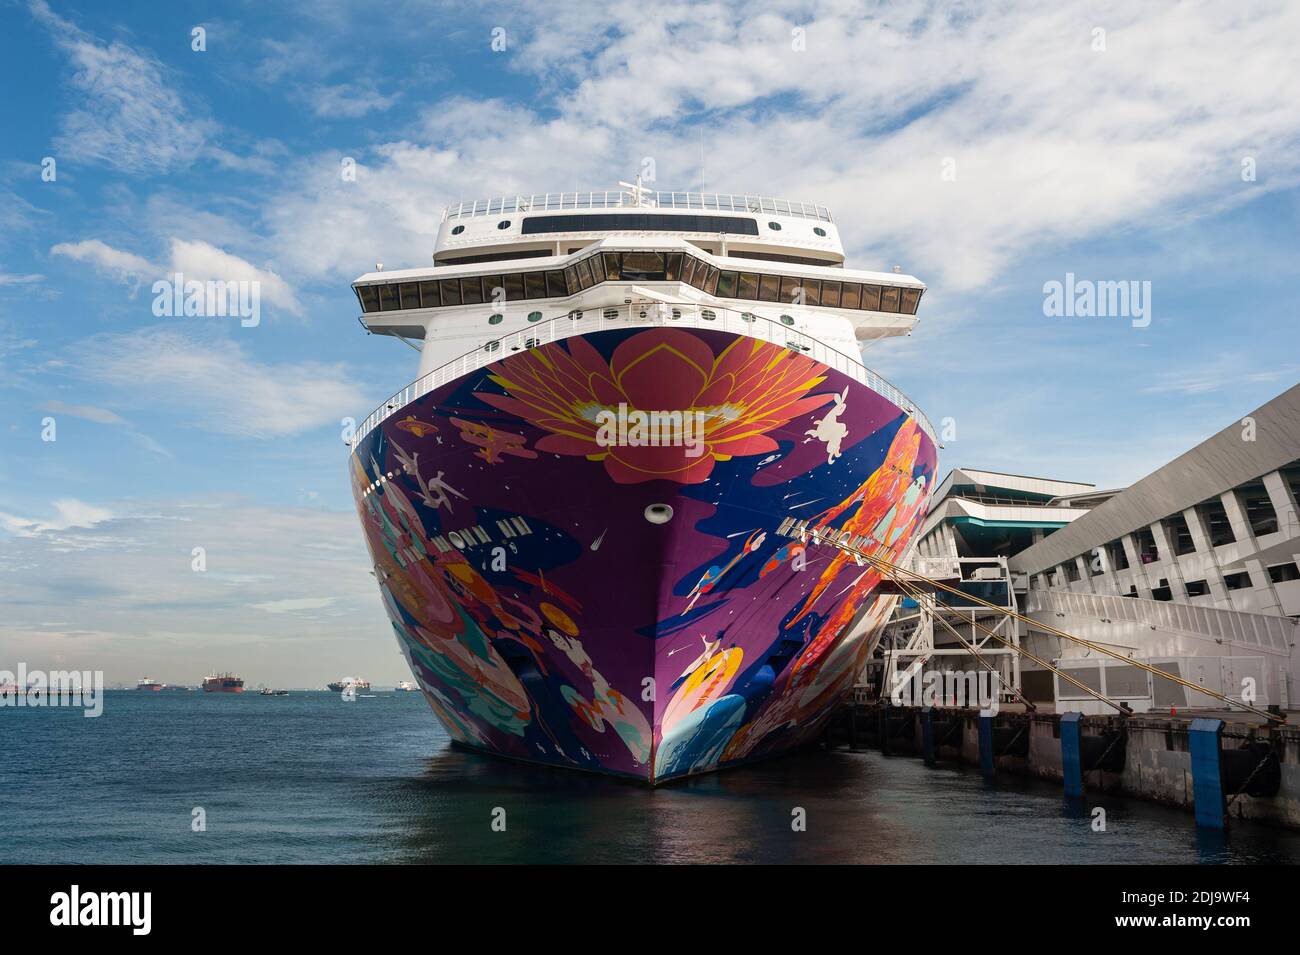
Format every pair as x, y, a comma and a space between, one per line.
648, 610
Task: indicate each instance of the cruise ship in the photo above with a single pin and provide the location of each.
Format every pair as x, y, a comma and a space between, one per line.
608, 516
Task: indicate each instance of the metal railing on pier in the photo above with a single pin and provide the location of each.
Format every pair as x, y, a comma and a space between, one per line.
672, 314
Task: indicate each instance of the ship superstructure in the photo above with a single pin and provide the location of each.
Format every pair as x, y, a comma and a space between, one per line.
604, 517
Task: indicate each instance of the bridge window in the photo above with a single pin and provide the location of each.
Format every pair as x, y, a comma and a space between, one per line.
471, 291
639, 222
639, 266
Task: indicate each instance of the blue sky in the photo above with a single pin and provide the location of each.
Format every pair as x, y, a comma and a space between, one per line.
1115, 156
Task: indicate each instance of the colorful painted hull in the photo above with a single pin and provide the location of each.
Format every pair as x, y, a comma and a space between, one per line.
548, 610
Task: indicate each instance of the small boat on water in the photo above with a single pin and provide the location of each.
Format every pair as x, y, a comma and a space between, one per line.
405, 686
267, 691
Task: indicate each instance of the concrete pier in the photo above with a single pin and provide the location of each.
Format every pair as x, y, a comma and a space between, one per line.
1257, 774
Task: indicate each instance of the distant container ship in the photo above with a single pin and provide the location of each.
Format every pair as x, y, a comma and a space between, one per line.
348, 681
149, 684
405, 686
223, 683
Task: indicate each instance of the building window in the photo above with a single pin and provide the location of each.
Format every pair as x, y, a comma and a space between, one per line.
1071, 570
1281, 573
1162, 592
1259, 509
1216, 521
1118, 559
1237, 581
1180, 534
1197, 588
1145, 543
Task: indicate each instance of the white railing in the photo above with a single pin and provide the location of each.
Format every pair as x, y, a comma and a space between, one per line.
560, 201
1256, 629
601, 318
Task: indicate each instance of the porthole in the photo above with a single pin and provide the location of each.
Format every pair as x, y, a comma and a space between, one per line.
818, 230
746, 316
496, 318
708, 314
534, 316
503, 224
642, 313
532, 342
611, 313
457, 229
576, 314
774, 226
491, 346
658, 513
787, 320
677, 313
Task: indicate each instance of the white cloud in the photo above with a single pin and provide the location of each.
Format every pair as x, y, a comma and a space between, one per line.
29, 279
295, 604
195, 260
88, 412
124, 267
1053, 142
127, 115
203, 262
346, 100
69, 513
217, 385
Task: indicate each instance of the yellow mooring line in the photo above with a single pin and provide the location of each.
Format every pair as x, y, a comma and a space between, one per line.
891, 570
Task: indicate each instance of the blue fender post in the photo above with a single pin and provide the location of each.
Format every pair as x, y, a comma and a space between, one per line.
1072, 754
986, 746
1204, 739
927, 735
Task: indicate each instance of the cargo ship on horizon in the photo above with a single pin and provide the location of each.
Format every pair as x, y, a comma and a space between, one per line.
608, 518
223, 683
